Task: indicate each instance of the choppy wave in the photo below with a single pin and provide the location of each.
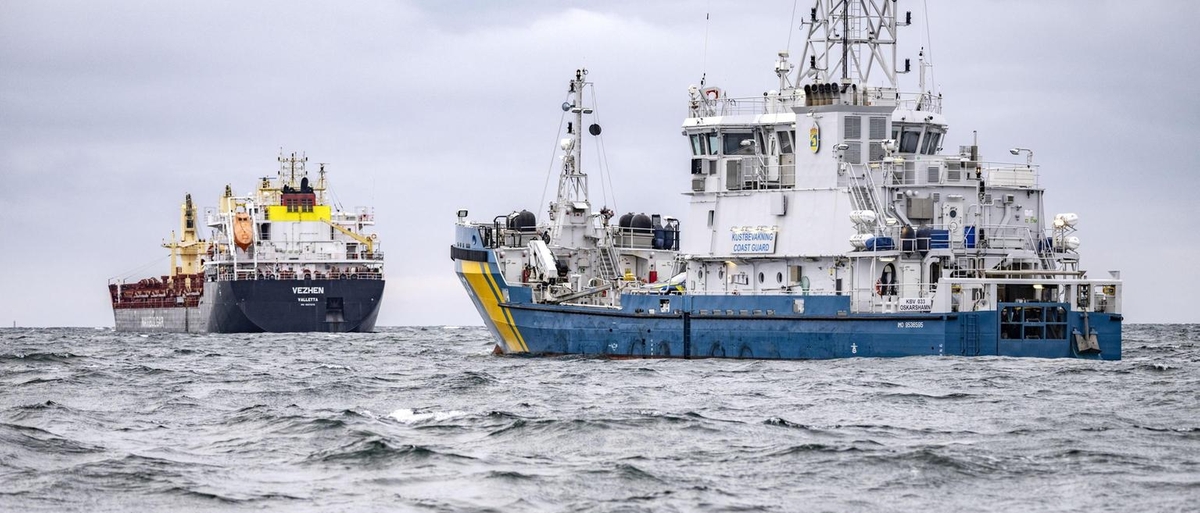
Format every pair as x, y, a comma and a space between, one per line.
425, 419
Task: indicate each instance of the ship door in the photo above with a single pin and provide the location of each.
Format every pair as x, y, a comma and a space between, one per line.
334, 313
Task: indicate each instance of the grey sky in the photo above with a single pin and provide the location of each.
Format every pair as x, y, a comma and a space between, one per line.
111, 111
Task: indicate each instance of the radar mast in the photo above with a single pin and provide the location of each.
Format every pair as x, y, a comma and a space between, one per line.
848, 39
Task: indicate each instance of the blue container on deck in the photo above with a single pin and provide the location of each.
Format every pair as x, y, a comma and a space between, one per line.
969, 236
939, 239
880, 244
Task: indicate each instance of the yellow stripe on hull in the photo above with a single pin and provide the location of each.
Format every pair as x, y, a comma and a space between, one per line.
479, 279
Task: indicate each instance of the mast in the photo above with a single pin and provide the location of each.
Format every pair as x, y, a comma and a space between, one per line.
288, 166
866, 32
188, 248
571, 204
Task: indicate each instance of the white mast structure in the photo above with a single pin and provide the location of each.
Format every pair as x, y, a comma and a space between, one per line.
571, 210
852, 25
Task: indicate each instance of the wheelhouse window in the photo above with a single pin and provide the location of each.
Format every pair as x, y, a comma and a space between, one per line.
739, 144
299, 204
910, 136
705, 144
785, 141
931, 143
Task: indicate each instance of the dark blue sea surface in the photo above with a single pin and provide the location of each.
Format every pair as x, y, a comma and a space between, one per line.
426, 419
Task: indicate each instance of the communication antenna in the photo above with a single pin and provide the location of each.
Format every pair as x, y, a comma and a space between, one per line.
704, 58
791, 24
850, 39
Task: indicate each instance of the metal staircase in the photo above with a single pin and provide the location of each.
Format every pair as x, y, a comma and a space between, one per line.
607, 260
862, 192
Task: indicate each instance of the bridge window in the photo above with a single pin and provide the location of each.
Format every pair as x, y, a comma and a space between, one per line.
785, 141
909, 137
931, 143
739, 144
705, 144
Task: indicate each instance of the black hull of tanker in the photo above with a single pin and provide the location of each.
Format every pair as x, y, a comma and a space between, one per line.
282, 306
271, 306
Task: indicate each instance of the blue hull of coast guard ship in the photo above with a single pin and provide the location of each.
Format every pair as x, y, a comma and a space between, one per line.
769, 327
824, 220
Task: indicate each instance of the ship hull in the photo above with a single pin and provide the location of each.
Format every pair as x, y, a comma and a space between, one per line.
772, 327
278, 306
255, 306
181, 319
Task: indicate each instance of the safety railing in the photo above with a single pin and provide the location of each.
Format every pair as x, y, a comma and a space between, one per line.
926, 102
665, 238
183, 290
263, 273
727, 107
293, 258
756, 173
939, 170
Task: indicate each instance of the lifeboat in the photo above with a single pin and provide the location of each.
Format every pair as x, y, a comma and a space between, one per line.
243, 230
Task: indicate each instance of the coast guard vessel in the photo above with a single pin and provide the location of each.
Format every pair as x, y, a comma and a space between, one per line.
825, 221
281, 259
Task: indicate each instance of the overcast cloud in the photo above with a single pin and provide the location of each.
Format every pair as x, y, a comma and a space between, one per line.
111, 111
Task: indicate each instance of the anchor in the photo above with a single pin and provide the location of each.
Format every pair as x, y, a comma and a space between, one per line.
1089, 343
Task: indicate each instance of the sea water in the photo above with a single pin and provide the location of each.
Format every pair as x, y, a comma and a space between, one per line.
427, 419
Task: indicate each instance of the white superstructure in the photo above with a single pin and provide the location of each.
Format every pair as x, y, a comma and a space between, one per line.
837, 183
287, 229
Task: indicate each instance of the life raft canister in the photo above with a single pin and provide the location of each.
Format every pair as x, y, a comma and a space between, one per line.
243, 230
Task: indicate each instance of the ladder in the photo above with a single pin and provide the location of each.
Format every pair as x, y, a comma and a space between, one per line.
862, 192
970, 335
607, 262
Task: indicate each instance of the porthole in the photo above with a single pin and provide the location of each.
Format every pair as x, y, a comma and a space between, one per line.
761, 277
779, 277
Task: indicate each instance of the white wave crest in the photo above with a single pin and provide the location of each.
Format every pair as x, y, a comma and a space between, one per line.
408, 416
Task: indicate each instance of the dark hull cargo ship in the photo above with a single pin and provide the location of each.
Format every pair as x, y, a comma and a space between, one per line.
279, 260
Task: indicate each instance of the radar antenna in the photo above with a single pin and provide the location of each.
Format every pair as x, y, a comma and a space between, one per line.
848, 39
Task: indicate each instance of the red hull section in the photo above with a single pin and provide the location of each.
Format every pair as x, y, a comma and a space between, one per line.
183, 291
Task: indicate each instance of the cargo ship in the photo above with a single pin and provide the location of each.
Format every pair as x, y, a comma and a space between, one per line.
825, 221
281, 259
